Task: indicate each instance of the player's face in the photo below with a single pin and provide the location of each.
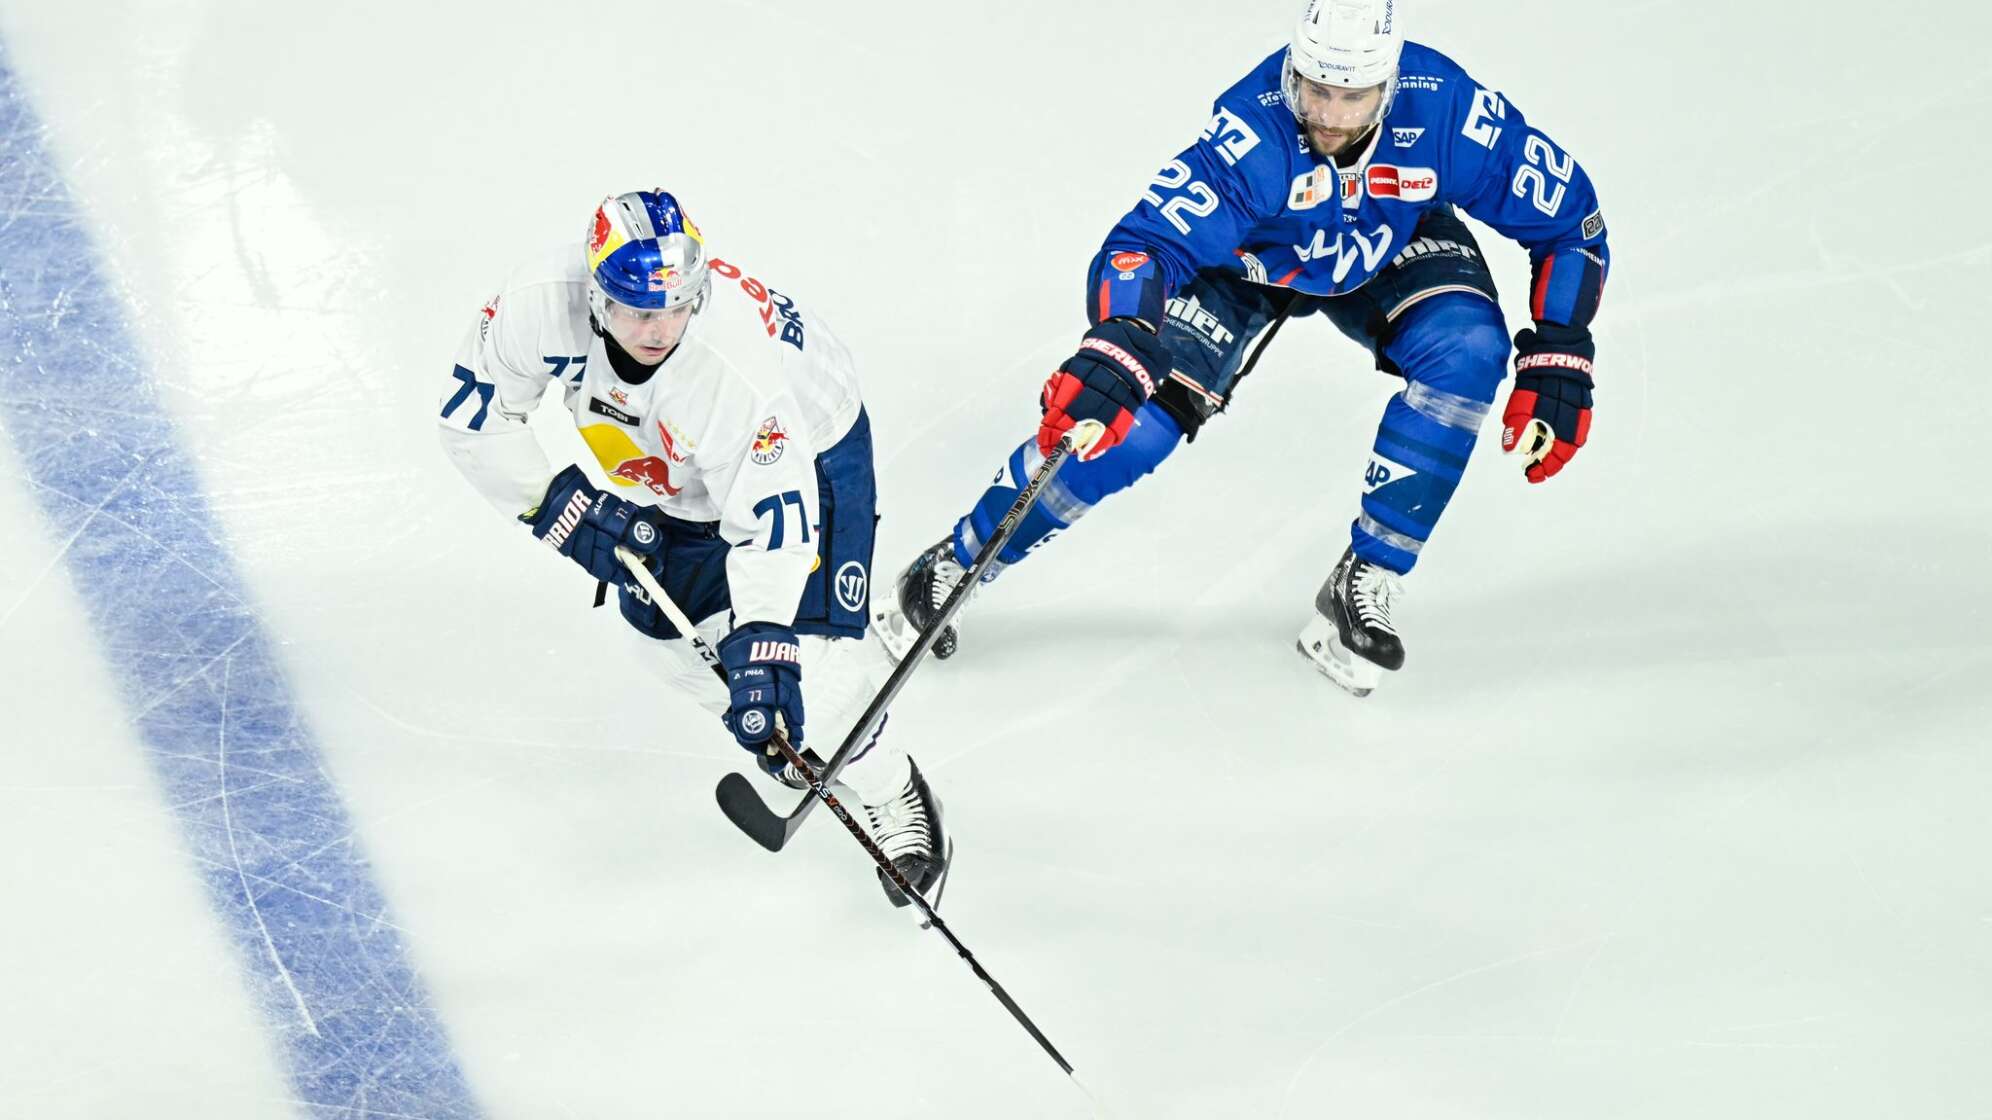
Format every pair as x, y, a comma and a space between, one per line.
648, 335
1336, 118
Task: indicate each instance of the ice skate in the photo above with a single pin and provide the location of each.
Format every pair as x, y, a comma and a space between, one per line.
1351, 639
914, 599
907, 828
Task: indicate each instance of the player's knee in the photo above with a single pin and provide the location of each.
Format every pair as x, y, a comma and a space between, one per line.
1154, 436
1456, 343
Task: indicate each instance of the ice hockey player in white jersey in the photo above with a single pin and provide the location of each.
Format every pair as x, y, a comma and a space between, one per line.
737, 454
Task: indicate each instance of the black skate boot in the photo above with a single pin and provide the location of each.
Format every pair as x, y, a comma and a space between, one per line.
916, 600
907, 828
1351, 638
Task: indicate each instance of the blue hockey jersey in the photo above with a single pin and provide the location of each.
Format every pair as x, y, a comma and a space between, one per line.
1251, 197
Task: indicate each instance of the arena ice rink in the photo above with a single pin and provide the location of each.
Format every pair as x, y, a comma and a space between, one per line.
323, 794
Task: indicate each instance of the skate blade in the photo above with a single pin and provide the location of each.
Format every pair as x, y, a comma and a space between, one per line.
940, 884
889, 625
1323, 649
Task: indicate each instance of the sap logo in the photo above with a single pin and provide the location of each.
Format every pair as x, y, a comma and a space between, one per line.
1230, 135
851, 581
1382, 472
1348, 248
1190, 312
1405, 137
1406, 184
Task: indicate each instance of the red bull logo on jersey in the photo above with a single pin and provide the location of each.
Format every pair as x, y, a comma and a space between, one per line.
769, 442
650, 472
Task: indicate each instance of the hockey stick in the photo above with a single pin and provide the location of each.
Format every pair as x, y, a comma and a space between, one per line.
737, 798
817, 789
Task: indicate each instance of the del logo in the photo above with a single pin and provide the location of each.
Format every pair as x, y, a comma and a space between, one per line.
768, 442
1409, 184
1383, 472
1126, 263
1405, 137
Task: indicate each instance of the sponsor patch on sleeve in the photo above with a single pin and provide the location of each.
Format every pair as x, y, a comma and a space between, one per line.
1594, 224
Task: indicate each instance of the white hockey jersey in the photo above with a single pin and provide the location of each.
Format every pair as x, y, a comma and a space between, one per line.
726, 430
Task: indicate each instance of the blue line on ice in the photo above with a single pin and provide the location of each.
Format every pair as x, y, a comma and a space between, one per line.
205, 693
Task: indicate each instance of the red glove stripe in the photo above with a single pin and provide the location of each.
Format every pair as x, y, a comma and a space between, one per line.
1521, 409
1542, 288
1583, 427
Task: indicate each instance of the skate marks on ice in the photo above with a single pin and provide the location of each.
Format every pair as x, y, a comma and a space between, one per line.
205, 691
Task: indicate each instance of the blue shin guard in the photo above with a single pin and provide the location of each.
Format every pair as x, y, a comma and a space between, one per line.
1453, 351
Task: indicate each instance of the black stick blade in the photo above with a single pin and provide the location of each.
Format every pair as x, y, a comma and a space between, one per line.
749, 813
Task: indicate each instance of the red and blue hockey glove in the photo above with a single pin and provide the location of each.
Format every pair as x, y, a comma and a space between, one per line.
1549, 412
585, 525
764, 674
1118, 365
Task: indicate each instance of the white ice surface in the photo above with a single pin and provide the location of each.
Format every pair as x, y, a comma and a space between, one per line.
1678, 810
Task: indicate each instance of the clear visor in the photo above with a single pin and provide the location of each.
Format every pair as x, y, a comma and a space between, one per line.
1334, 108
624, 313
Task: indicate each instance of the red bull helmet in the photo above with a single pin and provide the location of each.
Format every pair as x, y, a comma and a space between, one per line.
645, 255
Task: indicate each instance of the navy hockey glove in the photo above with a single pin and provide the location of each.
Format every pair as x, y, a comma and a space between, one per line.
1549, 413
1114, 373
764, 674
585, 525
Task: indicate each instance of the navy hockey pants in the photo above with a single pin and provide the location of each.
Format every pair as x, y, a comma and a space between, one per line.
1431, 316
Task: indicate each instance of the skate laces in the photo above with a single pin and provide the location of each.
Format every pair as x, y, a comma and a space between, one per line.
899, 825
1375, 592
947, 576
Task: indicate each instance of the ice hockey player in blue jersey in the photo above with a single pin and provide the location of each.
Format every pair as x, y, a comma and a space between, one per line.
1326, 182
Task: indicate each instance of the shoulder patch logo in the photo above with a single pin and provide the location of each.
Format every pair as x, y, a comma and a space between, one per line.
1230, 135
768, 442
1594, 224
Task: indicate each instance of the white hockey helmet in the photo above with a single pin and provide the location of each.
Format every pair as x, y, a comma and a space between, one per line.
1347, 44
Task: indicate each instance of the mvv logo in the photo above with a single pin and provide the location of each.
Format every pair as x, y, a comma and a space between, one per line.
1348, 248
